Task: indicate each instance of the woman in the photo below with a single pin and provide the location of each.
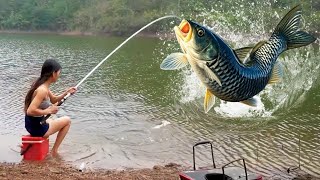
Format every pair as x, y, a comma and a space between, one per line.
37, 106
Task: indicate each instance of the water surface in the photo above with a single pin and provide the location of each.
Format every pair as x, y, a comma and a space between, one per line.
130, 113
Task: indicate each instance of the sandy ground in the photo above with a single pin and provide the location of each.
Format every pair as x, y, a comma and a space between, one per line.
56, 170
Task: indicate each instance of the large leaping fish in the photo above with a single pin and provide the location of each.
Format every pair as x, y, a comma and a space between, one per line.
235, 75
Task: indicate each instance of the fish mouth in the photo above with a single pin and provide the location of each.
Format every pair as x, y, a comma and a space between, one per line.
184, 30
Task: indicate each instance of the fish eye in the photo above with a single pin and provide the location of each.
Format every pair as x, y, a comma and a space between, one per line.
200, 32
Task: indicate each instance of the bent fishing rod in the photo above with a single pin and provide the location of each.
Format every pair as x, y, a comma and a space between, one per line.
69, 94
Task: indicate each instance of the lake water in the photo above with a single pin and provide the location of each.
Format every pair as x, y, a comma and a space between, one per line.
130, 113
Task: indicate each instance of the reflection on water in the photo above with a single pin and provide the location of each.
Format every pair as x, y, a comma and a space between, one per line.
130, 113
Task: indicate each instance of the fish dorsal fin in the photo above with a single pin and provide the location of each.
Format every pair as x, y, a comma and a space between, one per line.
256, 47
174, 61
277, 73
209, 100
242, 53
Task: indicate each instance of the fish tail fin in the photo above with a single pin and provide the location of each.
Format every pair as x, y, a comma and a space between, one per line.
288, 28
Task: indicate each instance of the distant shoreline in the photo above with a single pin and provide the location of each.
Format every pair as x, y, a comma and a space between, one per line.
74, 33
78, 33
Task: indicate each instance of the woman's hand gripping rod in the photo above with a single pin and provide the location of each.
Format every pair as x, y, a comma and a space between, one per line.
59, 104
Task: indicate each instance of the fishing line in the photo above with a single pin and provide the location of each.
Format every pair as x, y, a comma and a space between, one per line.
170, 16
124, 42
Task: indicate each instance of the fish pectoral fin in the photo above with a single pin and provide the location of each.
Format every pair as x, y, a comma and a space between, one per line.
211, 74
250, 102
174, 61
243, 53
277, 73
209, 100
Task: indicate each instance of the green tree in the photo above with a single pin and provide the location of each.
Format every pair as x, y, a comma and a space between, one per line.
122, 17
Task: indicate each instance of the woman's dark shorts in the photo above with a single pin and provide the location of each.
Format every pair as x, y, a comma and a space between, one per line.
33, 126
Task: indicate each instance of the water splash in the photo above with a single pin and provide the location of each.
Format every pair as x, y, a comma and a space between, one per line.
236, 109
163, 124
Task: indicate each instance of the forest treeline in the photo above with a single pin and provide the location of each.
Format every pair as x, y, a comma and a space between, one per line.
121, 17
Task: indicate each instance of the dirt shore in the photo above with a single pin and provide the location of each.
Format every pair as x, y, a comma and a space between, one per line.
57, 170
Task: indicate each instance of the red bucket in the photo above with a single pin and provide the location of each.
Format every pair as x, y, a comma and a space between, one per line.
34, 148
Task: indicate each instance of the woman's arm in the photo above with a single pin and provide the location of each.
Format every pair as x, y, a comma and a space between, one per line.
33, 109
54, 99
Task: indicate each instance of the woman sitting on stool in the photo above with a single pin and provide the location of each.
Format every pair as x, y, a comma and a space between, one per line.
37, 105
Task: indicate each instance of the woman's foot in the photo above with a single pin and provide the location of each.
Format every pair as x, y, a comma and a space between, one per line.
54, 157
54, 153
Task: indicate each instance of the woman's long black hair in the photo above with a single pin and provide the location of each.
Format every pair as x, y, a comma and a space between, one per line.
48, 67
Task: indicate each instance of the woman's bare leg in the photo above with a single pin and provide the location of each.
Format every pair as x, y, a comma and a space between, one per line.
62, 125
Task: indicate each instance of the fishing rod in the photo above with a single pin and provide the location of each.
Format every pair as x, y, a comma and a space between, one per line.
69, 94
